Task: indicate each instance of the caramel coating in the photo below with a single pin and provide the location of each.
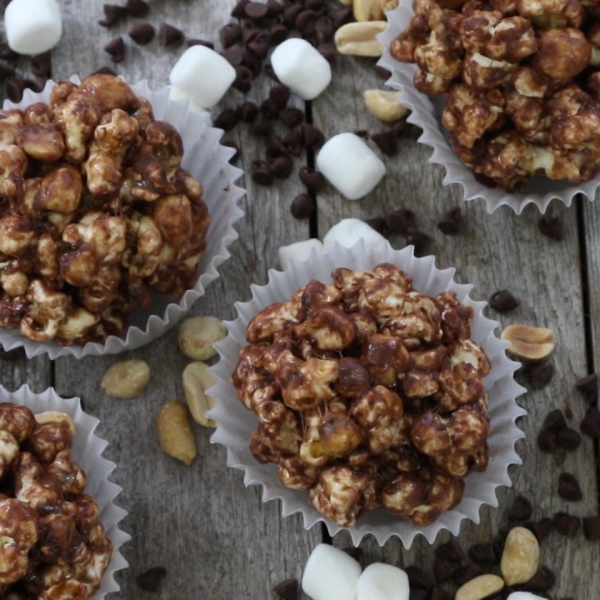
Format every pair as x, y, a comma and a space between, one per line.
368, 394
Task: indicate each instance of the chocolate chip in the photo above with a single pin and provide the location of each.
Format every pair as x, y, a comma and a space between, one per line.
113, 13
239, 10
170, 37
588, 386
41, 65
400, 221
105, 71
252, 61
261, 125
292, 117
303, 206
443, 570
591, 422
261, 173
36, 86
437, 593
324, 30
282, 167
540, 374
483, 553
280, 94
290, 14
381, 71
235, 147
243, 78
386, 141
248, 111
376, 223
419, 594
230, 34
15, 354
6, 71
150, 580
142, 34
313, 180
450, 551
416, 577
503, 301
555, 420
520, 510
419, 239
305, 22
328, 51
116, 49
341, 16
269, 71
591, 528
269, 108
542, 581
256, 11
227, 119
293, 142
568, 488
355, 553
137, 8
314, 4
465, 574
260, 44
275, 8
249, 31
6, 52
277, 34
449, 224
312, 138
568, 439
547, 441
287, 590
552, 228
198, 42
542, 528
275, 147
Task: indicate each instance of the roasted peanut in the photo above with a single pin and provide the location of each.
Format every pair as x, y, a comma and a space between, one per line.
196, 380
174, 433
126, 379
359, 39
479, 588
389, 4
521, 556
55, 417
385, 105
529, 343
197, 336
367, 10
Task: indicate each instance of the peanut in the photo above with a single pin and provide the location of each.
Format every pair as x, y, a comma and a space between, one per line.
126, 379
55, 417
389, 4
197, 336
175, 434
359, 39
367, 10
479, 588
529, 343
196, 380
385, 105
521, 556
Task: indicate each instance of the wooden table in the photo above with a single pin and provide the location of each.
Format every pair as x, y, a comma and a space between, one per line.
216, 538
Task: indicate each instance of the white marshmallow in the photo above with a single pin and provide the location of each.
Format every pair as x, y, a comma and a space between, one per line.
33, 26
299, 65
299, 250
202, 75
348, 231
176, 94
350, 165
330, 574
383, 582
524, 596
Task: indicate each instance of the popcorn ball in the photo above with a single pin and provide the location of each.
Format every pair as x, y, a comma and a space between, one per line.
368, 395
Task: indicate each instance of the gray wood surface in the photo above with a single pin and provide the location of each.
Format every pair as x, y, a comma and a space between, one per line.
216, 538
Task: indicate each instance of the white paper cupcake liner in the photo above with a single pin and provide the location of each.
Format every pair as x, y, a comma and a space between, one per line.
235, 423
427, 114
87, 452
208, 161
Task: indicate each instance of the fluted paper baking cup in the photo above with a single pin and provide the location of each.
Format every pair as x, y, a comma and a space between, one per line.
208, 161
87, 452
427, 114
235, 423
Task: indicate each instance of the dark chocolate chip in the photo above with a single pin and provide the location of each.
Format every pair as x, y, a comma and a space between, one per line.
465, 574
248, 111
143, 33
450, 551
449, 224
15, 354
170, 36
443, 570
105, 71
483, 553
324, 30
287, 590
256, 11
277, 34
293, 142
376, 223
261, 173
568, 488
419, 594
260, 44
314, 4
113, 13
252, 61
275, 8
312, 138
227, 119
591, 528
414, 132
269, 108
542, 528
552, 228
540, 374
520, 510
6, 71
313, 180
282, 167
355, 553
6, 52
239, 10
243, 78
269, 71
235, 147
303, 206
542, 581
416, 577
275, 147
305, 22
328, 51
419, 239
588, 386
381, 71
261, 125
555, 420
400, 221
150, 580
249, 31
280, 94
341, 16
137, 8
292, 117
230, 34
503, 301
386, 141
437, 593
198, 42
116, 49
591, 422
41, 65
569, 439
234, 55
290, 14
36, 86
547, 441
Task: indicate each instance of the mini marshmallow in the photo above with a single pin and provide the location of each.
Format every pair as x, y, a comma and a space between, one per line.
301, 67
202, 75
524, 596
383, 582
176, 94
330, 574
348, 231
299, 250
350, 165
33, 26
